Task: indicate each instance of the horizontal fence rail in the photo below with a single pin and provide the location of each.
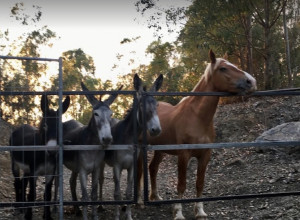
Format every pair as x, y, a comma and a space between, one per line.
292, 92
157, 147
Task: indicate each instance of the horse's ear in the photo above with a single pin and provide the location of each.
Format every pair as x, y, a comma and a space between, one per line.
44, 104
112, 98
66, 104
158, 83
212, 56
225, 56
92, 99
137, 83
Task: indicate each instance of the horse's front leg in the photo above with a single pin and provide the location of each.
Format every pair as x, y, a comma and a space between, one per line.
83, 183
94, 192
117, 192
201, 170
47, 196
181, 186
153, 170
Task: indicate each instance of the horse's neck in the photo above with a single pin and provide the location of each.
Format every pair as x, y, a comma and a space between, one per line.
203, 106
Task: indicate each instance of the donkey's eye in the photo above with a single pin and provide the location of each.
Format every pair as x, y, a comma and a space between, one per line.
96, 114
223, 69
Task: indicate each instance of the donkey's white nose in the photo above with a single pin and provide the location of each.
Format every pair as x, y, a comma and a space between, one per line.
51, 143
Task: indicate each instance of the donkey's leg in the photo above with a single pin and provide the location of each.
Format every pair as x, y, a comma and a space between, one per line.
101, 181
94, 192
73, 184
83, 183
202, 165
18, 183
129, 191
153, 169
23, 187
117, 193
31, 195
47, 196
181, 186
140, 182
56, 184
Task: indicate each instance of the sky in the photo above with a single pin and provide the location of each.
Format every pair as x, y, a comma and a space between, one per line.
97, 27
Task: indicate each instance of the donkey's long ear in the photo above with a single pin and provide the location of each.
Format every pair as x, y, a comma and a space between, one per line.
137, 83
158, 83
44, 104
212, 56
92, 99
66, 104
112, 98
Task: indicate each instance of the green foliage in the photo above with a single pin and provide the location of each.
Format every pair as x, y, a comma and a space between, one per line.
250, 32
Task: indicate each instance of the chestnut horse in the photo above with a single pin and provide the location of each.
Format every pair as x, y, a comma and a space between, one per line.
191, 122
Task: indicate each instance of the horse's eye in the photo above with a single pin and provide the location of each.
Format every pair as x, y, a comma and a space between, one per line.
223, 69
96, 114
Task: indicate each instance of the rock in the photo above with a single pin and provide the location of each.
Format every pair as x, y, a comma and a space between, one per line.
285, 132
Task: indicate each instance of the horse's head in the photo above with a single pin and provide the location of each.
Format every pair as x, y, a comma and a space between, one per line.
152, 120
101, 117
49, 124
226, 77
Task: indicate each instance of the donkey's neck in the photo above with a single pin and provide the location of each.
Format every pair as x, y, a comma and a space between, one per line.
126, 127
203, 106
91, 131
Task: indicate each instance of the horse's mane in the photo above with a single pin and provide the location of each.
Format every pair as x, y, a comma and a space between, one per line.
208, 71
206, 76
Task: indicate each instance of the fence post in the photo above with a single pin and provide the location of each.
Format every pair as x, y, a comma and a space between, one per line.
60, 142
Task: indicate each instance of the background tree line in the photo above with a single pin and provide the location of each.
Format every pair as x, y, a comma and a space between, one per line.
260, 36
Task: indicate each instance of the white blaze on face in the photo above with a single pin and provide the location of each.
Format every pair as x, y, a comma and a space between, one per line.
247, 75
104, 132
102, 118
252, 79
230, 64
153, 125
51, 143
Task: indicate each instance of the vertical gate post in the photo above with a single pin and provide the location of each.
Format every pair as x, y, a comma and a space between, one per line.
60, 142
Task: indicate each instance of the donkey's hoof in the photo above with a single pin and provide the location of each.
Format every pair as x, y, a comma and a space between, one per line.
201, 218
101, 208
48, 217
179, 217
140, 205
155, 197
28, 216
78, 212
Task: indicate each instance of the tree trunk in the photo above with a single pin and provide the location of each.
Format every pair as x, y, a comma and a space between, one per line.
249, 46
267, 47
287, 50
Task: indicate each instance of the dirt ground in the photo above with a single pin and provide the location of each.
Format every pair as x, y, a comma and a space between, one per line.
231, 171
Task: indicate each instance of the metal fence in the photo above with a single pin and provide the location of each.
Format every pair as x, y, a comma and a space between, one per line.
60, 148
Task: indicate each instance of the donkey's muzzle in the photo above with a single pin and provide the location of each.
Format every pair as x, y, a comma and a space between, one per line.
155, 131
106, 140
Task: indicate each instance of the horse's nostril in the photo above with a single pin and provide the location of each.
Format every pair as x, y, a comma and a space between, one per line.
248, 81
